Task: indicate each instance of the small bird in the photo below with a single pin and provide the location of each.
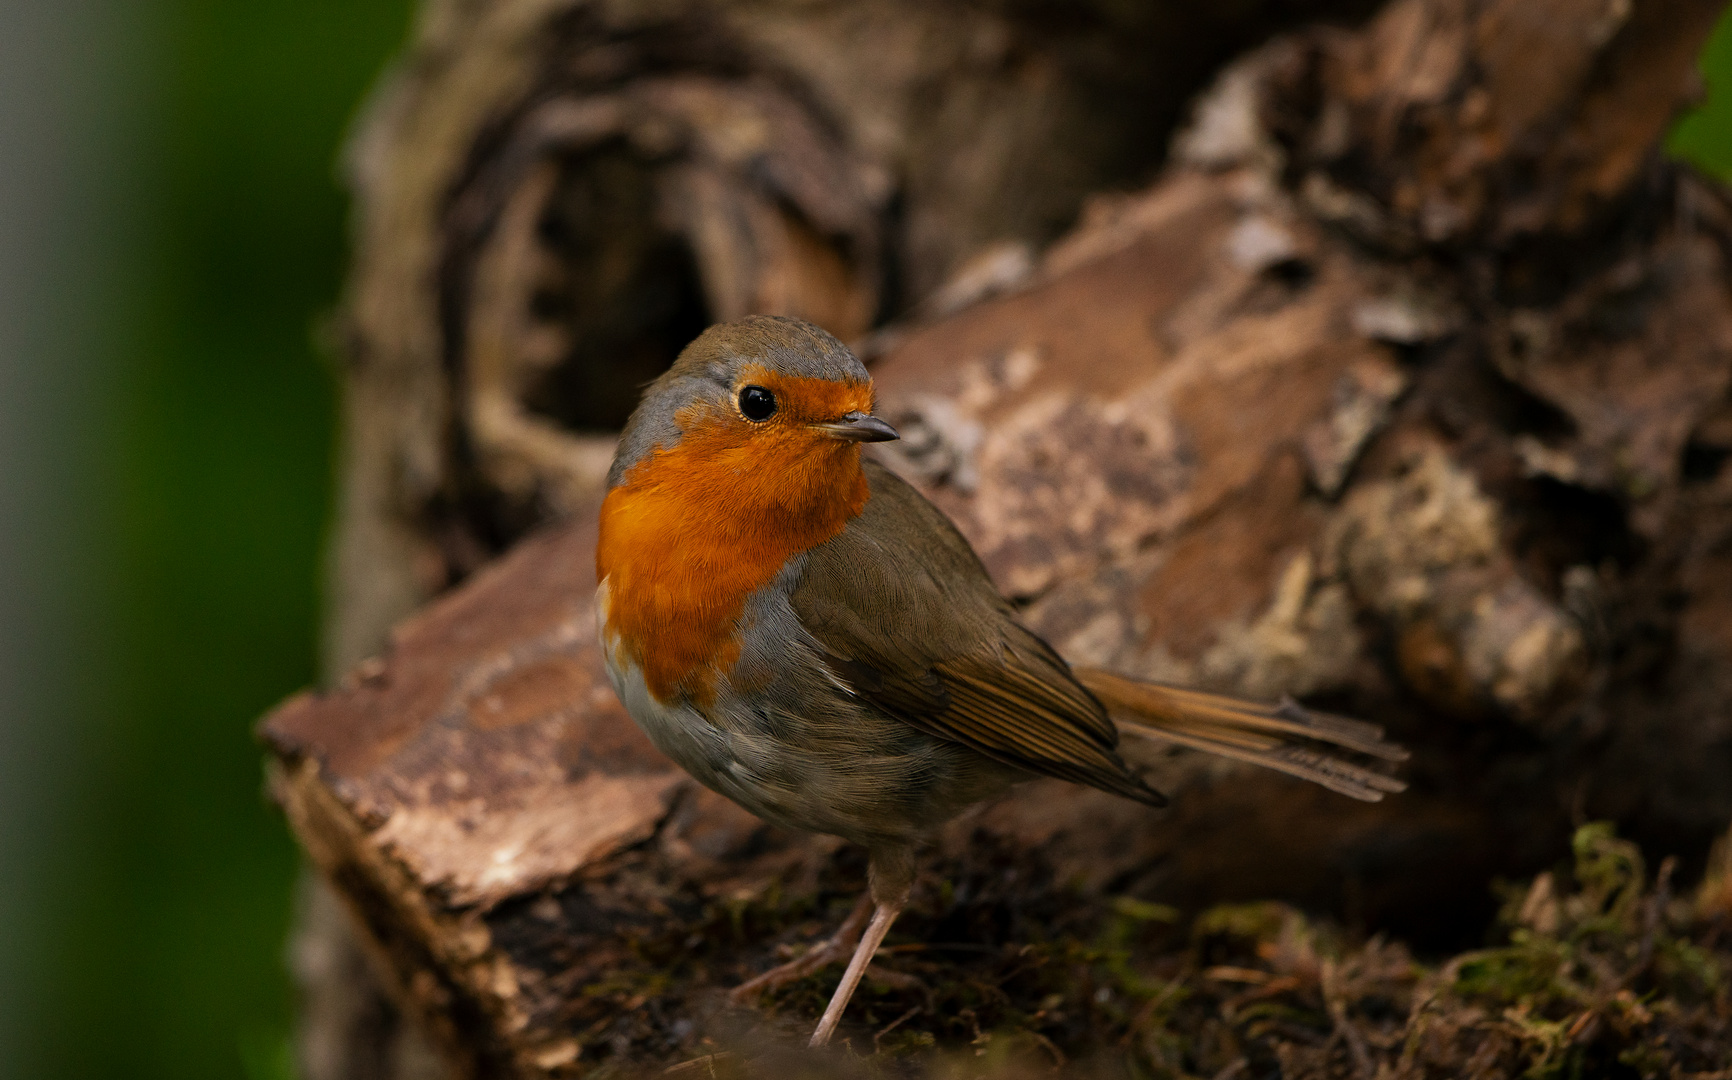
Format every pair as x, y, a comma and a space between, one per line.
806, 634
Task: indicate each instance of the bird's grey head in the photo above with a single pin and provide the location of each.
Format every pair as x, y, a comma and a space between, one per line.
759, 369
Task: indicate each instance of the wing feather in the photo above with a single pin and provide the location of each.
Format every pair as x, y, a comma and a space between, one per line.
909, 620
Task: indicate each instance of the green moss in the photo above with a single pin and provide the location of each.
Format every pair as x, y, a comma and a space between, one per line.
1595, 974
1599, 970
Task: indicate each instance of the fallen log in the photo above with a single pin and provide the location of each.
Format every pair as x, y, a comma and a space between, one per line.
1404, 389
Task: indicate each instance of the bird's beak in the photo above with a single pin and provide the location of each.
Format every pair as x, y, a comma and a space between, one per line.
858, 427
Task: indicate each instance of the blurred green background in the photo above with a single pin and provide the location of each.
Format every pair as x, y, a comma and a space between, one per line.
171, 228
187, 537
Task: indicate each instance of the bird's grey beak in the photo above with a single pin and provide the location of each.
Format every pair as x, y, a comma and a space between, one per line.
858, 427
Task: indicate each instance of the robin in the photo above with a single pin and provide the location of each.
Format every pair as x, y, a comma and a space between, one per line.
807, 635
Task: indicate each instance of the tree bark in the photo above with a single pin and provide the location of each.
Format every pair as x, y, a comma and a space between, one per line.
1404, 388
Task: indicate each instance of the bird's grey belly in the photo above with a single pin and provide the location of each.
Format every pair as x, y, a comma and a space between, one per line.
817, 762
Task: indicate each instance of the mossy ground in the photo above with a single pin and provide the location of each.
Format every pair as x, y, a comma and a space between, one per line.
1598, 969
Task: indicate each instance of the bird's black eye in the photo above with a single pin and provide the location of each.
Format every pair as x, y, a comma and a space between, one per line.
757, 403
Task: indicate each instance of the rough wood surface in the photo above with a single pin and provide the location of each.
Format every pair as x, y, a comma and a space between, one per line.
1405, 388
553, 196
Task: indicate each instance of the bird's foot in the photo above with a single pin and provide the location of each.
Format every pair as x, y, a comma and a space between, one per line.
838, 947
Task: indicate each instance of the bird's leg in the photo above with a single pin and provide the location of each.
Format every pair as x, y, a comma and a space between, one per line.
839, 946
882, 917
891, 877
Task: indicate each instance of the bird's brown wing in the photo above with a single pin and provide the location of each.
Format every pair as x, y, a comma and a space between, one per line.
908, 618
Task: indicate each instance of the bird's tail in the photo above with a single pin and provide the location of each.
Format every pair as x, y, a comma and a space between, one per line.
1286, 737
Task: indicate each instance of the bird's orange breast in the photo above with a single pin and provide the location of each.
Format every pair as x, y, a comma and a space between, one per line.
694, 530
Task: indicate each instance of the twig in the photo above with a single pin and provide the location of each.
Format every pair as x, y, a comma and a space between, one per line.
1651, 918
877, 1039
1058, 1058
1230, 1007
897, 980
1233, 1069
1343, 1026
1148, 1010
1355, 1041
707, 1063
1586, 1026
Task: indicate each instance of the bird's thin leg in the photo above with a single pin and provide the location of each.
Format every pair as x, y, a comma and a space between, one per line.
838, 947
889, 878
881, 919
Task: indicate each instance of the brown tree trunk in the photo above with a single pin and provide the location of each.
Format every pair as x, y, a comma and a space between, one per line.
1403, 389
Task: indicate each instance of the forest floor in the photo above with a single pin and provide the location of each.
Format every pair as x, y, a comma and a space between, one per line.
1596, 969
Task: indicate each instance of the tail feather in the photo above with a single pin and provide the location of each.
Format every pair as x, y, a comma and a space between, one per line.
1286, 737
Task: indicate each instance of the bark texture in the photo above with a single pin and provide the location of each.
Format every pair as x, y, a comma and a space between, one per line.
1404, 388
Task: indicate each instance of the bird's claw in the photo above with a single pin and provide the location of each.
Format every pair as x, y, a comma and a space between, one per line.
839, 946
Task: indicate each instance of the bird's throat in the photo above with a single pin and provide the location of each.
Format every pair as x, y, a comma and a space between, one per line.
694, 530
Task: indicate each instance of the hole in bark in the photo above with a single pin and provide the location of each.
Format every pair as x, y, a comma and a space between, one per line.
1533, 415
1703, 461
1294, 273
1559, 526
629, 298
1277, 286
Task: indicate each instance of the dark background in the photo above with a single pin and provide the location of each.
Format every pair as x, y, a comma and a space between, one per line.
171, 231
